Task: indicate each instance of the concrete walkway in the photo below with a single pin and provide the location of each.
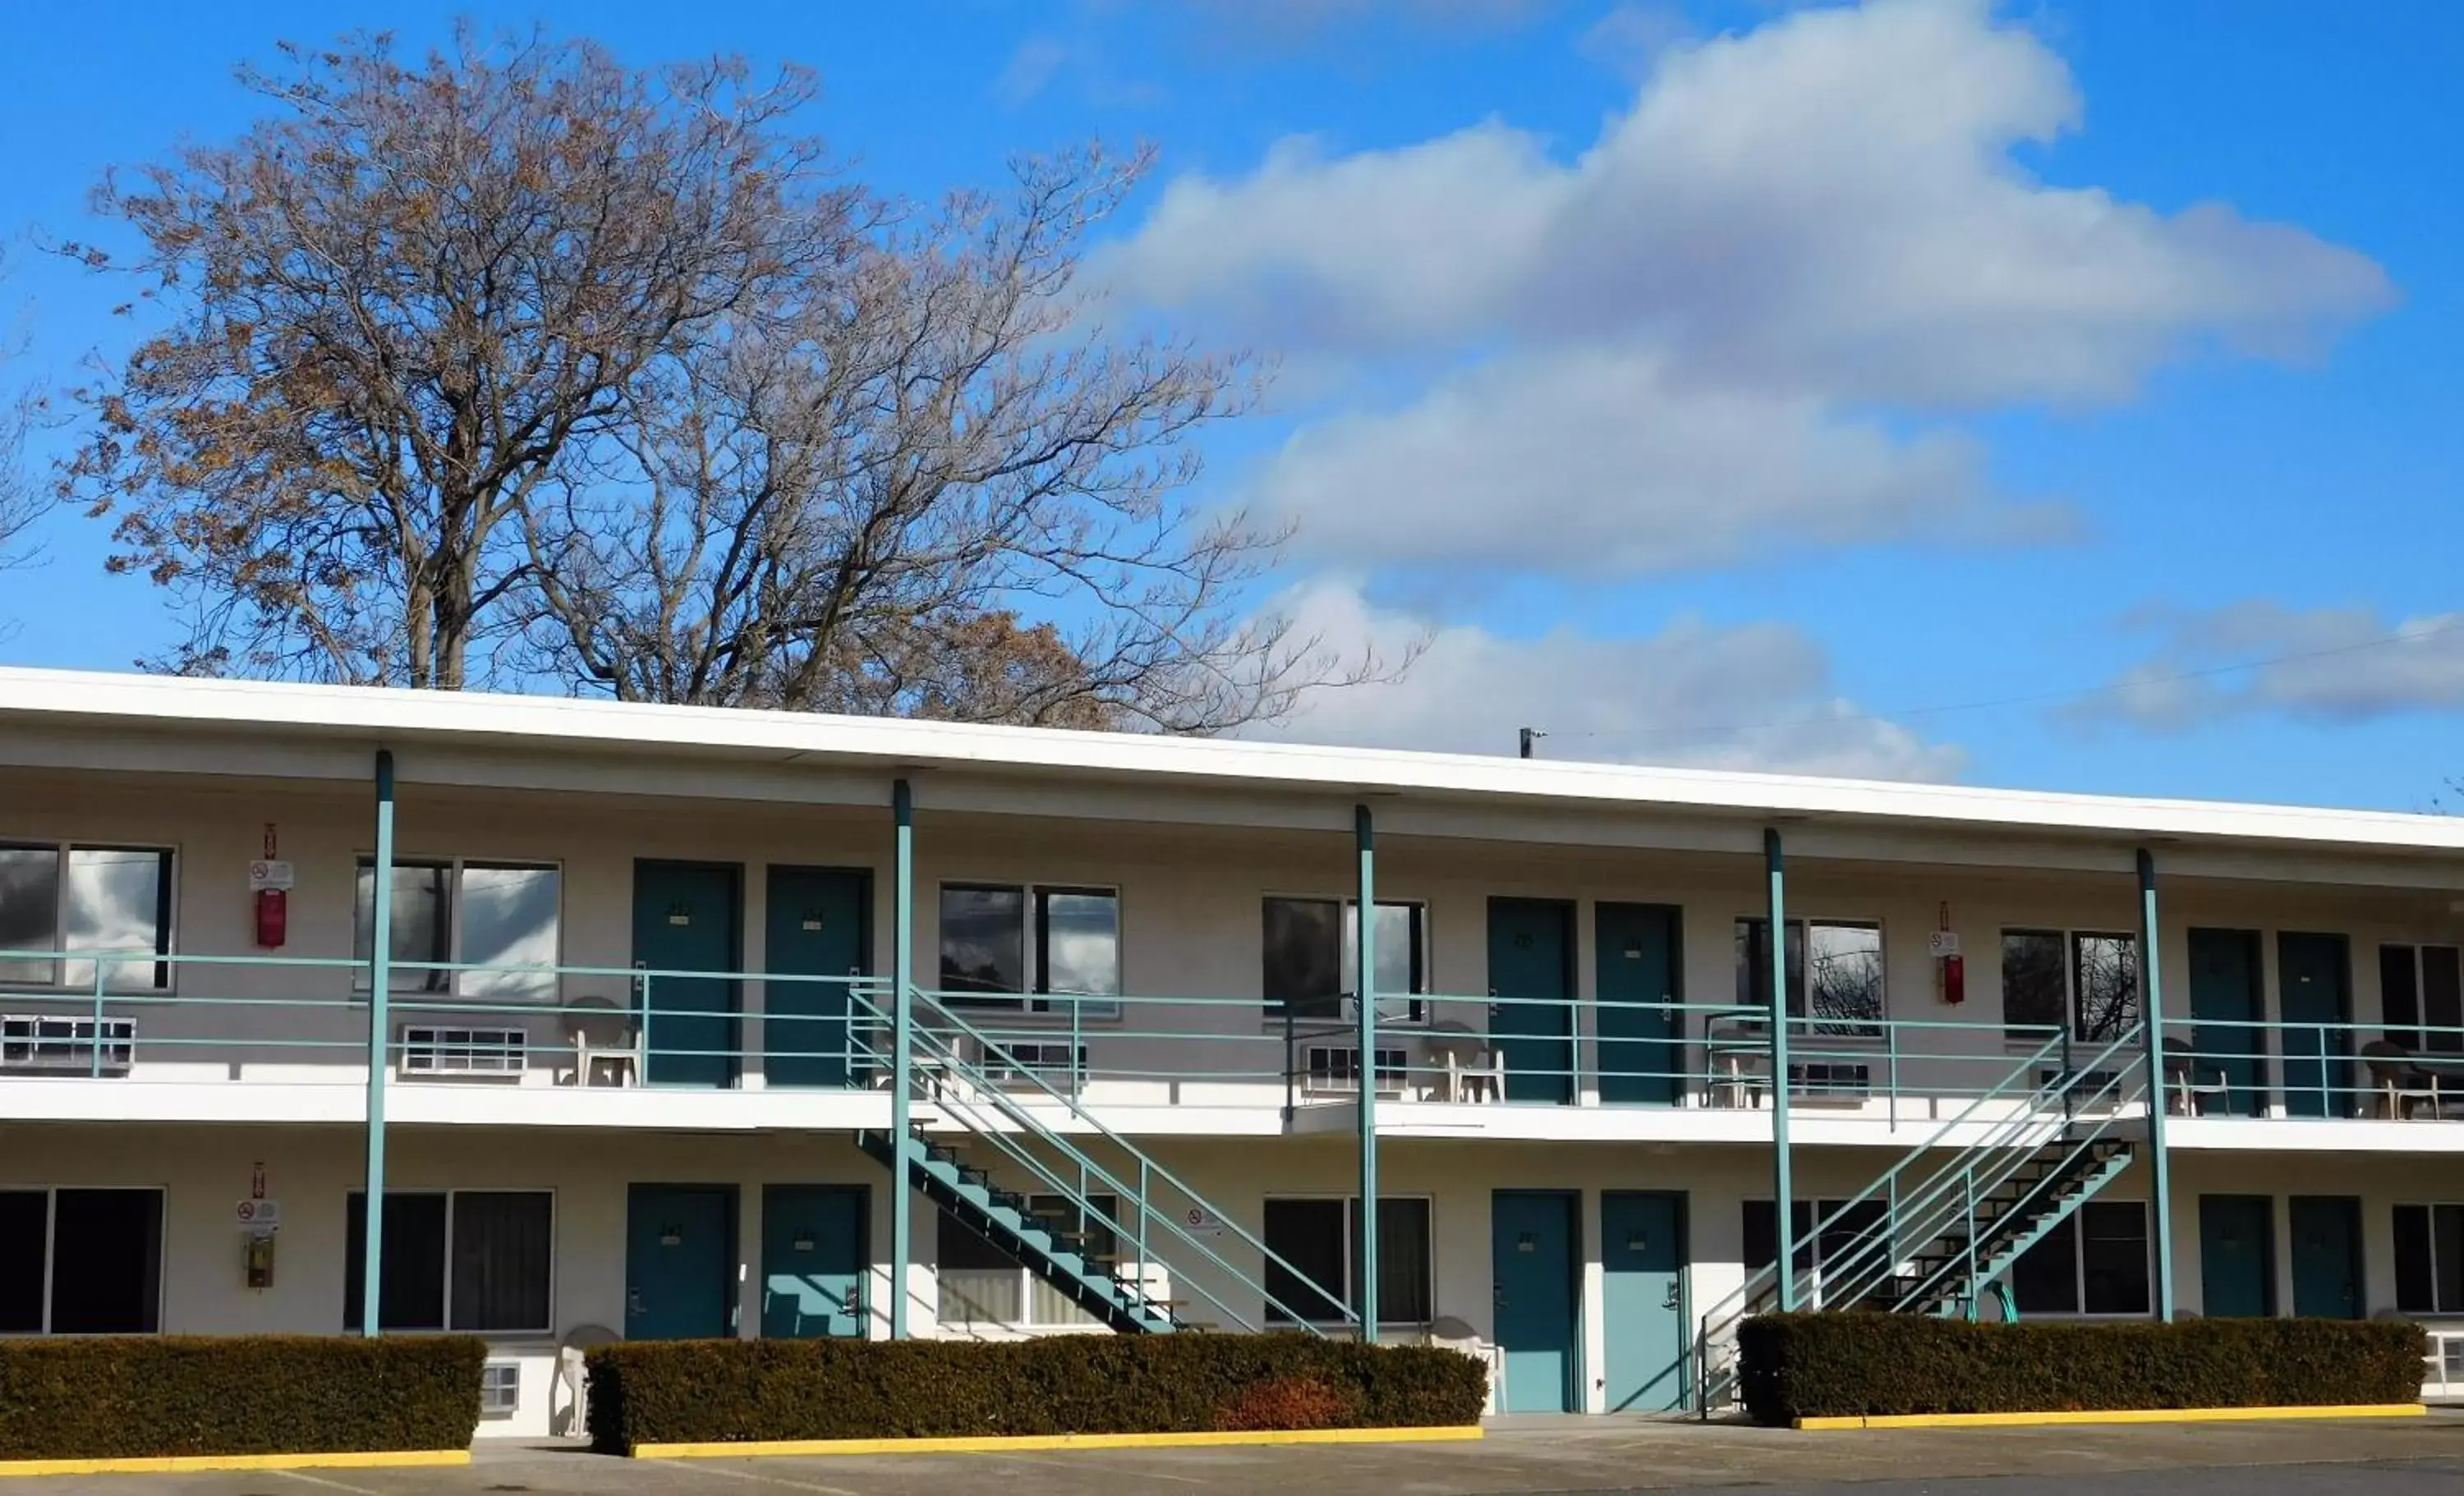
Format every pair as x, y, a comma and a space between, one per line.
1521, 1456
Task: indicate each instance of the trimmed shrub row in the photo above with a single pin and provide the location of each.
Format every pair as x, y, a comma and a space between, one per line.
1850, 1365
129, 1397
732, 1391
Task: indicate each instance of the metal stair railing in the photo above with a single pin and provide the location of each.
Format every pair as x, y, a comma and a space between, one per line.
1147, 1225
1943, 1204
1718, 1323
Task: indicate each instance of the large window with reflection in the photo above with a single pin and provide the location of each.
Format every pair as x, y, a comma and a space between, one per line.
2083, 978
1032, 947
1311, 957
498, 921
1834, 973
71, 912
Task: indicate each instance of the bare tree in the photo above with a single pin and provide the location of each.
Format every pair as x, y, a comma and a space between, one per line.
22, 501
399, 305
518, 362
852, 504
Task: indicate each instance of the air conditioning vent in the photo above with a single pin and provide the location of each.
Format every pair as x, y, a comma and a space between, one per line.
1335, 1068
41, 1042
427, 1050
1829, 1078
1020, 1061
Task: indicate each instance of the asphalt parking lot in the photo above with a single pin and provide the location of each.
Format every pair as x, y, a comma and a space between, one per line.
2396, 1458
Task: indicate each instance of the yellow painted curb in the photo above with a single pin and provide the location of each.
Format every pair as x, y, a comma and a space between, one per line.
2363, 1410
175, 1464
972, 1445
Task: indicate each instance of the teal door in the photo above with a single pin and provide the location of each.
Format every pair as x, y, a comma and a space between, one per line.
1530, 976
684, 920
2314, 1003
817, 925
679, 1261
812, 1261
2236, 1256
1642, 1263
1642, 1052
2326, 1256
2227, 1004
1532, 1238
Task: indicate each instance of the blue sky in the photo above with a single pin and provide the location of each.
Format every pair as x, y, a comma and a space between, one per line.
1927, 389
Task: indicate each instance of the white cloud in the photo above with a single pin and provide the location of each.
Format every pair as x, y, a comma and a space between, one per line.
1738, 321
1757, 696
1630, 36
1030, 69
1589, 462
1828, 204
2329, 664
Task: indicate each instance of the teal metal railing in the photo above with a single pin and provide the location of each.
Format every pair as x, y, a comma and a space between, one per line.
645, 1022
136, 1010
2399, 1069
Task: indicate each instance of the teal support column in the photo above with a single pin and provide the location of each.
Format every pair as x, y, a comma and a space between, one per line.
2152, 987
1775, 961
1365, 838
380, 1021
902, 1053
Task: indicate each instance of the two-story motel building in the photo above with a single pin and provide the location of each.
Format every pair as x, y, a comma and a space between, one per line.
664, 995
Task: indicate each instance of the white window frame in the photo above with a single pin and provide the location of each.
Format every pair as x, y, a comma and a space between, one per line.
61, 955
554, 1217
2078, 1269
1027, 1275
2432, 1207
1422, 1005
1352, 1251
2070, 936
1031, 1003
50, 1193
553, 995
1809, 1241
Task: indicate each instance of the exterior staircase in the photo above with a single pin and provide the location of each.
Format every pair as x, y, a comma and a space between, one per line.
2037, 1197
1036, 1142
1056, 1250
1952, 1214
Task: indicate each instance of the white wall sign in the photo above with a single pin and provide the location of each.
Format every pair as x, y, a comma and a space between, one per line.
259, 1215
1946, 942
1201, 1221
267, 873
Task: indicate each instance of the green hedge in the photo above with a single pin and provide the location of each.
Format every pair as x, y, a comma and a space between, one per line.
1845, 1365
714, 1391
142, 1396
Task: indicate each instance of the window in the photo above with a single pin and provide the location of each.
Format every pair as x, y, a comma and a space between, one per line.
80, 1261
465, 1260
1014, 946
2430, 1259
982, 1283
469, 913
1313, 957
71, 898
2093, 1263
1839, 967
2094, 977
2421, 991
1316, 1238
1831, 1249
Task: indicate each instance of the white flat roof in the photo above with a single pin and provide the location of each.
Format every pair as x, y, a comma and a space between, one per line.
478, 719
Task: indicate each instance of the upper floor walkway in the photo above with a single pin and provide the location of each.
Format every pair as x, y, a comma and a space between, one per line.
695, 920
